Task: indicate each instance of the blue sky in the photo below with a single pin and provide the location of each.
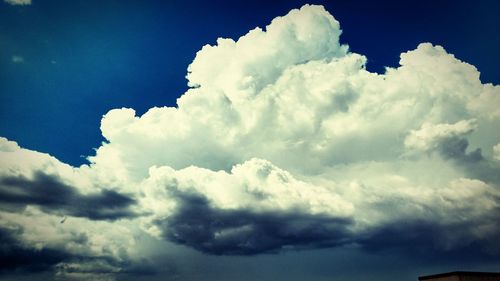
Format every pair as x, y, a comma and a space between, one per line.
343, 140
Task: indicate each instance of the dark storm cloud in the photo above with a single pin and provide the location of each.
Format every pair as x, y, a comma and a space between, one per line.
244, 232
226, 232
54, 196
14, 256
429, 240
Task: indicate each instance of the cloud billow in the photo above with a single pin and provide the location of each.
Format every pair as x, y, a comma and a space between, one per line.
250, 219
289, 144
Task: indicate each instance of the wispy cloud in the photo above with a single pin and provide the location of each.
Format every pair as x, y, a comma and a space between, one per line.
18, 2
17, 59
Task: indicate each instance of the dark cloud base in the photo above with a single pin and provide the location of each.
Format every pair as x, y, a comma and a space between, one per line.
19, 259
15, 257
424, 240
225, 232
53, 196
197, 224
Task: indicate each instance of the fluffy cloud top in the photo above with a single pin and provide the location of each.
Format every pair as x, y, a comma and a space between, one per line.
283, 141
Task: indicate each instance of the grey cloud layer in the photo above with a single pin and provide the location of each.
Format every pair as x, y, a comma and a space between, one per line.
289, 144
52, 195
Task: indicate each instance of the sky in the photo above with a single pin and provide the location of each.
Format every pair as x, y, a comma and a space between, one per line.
228, 140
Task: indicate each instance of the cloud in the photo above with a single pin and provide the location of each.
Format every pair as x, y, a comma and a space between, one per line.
16, 256
446, 221
239, 213
259, 208
496, 151
418, 238
429, 135
283, 141
38, 241
448, 139
25, 259
28, 183
17, 59
52, 216
18, 2
52, 195
259, 58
